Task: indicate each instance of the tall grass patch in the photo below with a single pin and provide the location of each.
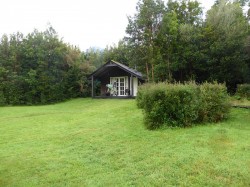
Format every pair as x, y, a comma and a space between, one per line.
182, 105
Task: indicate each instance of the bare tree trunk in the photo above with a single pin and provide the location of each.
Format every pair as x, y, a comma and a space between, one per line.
147, 71
152, 71
169, 72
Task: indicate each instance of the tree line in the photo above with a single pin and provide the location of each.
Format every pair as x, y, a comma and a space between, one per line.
173, 42
40, 68
165, 40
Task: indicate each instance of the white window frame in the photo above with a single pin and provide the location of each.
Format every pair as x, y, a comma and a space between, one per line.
118, 86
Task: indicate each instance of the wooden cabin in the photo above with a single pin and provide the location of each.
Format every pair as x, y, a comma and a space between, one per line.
115, 80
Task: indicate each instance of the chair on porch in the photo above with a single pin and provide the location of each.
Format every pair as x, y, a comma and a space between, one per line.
127, 91
111, 90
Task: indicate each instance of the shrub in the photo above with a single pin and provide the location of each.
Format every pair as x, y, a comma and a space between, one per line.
214, 102
243, 90
182, 104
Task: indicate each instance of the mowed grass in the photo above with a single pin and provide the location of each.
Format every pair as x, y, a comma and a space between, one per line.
86, 142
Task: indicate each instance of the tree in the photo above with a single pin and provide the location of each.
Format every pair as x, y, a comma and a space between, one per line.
188, 12
179, 40
118, 53
226, 31
142, 30
40, 68
167, 42
94, 57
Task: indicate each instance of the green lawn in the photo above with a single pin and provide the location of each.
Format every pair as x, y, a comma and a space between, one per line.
240, 102
85, 142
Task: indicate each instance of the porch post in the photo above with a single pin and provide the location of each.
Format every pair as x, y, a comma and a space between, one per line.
92, 84
132, 85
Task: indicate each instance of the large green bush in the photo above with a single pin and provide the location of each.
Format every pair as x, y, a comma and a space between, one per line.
243, 91
182, 104
214, 102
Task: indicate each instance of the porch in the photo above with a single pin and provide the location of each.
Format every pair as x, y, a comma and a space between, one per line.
114, 80
114, 97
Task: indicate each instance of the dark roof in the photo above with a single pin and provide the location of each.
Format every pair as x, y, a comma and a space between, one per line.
107, 67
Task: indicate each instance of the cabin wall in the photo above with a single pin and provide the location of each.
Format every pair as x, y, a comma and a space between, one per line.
135, 86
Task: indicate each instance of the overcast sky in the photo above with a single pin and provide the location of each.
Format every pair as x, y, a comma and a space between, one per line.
84, 23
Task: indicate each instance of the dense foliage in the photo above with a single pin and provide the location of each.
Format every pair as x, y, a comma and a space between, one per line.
172, 42
243, 91
166, 40
182, 105
39, 68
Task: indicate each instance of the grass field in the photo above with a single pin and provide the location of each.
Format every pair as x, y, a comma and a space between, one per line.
85, 142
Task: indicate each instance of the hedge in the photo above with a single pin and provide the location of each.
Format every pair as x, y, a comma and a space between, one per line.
182, 105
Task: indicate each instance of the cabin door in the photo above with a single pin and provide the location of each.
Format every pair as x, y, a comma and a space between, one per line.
119, 84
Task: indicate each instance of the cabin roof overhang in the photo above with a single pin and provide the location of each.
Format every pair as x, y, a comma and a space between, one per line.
112, 65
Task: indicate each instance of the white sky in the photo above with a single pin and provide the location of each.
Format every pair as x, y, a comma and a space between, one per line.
84, 23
